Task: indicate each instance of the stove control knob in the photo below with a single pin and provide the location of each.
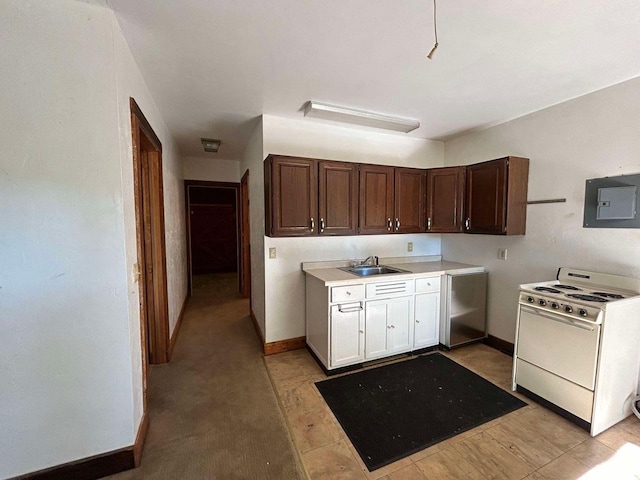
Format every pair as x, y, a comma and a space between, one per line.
568, 308
542, 302
582, 312
554, 305
530, 299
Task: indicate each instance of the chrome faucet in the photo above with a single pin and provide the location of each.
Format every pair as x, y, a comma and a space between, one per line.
372, 258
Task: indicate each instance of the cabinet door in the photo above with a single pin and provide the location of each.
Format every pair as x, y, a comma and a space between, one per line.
347, 334
293, 193
400, 321
376, 342
410, 198
338, 198
388, 326
486, 197
427, 320
445, 199
376, 199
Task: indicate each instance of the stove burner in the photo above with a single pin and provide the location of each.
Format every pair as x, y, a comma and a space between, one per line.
615, 296
568, 287
547, 289
588, 298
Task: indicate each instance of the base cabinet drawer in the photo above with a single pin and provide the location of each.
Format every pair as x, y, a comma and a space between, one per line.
429, 284
347, 293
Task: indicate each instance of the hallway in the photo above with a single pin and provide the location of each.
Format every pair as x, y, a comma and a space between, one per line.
213, 411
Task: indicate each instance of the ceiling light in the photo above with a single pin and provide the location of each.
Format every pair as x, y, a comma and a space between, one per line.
359, 117
210, 145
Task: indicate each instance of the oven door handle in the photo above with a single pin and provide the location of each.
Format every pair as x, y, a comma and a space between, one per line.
558, 318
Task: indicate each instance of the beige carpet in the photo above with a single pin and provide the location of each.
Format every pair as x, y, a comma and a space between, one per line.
213, 411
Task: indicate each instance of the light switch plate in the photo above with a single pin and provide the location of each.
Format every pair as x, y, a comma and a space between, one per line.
272, 252
502, 254
410, 247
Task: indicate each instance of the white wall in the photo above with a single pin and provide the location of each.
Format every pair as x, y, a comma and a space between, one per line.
70, 360
284, 280
211, 169
593, 136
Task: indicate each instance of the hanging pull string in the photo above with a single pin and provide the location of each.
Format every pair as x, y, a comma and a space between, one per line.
435, 31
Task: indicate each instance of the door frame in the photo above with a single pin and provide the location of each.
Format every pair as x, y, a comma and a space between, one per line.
244, 266
155, 351
187, 202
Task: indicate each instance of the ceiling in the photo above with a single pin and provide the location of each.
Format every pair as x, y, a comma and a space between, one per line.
214, 66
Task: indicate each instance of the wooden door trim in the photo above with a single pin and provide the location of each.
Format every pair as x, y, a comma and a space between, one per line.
141, 131
245, 238
187, 204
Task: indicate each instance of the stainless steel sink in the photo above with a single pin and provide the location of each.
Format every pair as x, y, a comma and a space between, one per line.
368, 270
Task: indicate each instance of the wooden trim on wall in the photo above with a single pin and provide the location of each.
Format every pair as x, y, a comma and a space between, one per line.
138, 446
174, 335
499, 344
285, 345
97, 466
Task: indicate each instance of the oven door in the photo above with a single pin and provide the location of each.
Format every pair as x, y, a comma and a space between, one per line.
560, 344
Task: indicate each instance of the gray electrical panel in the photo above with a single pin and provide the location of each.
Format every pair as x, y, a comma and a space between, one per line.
612, 202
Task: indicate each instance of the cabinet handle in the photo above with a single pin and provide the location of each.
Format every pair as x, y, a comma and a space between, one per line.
321, 225
350, 309
429, 223
389, 224
467, 223
312, 224
417, 321
361, 331
389, 327
348, 293
397, 224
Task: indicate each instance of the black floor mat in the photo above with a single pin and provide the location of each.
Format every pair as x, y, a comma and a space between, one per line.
393, 411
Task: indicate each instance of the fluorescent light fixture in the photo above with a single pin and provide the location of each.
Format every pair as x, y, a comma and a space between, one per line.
210, 145
359, 117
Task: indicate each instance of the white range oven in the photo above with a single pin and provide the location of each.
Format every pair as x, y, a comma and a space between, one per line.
577, 347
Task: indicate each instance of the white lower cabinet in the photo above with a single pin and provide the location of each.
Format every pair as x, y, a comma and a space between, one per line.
427, 320
388, 326
347, 334
351, 324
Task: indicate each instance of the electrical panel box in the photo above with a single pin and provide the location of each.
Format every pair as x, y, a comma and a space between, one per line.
612, 202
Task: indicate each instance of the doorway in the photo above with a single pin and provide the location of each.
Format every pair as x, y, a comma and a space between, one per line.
213, 229
150, 239
245, 238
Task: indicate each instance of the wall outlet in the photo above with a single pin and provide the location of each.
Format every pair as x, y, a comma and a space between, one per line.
410, 247
502, 254
272, 252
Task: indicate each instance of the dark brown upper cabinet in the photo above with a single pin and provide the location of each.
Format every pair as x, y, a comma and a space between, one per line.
496, 196
376, 199
291, 196
304, 197
392, 199
410, 196
445, 199
338, 198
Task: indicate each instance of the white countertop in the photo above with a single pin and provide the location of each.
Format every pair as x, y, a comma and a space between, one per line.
332, 276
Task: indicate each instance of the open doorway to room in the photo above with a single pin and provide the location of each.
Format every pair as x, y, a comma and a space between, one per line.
150, 240
213, 229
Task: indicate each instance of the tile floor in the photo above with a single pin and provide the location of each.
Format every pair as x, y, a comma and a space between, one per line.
532, 443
